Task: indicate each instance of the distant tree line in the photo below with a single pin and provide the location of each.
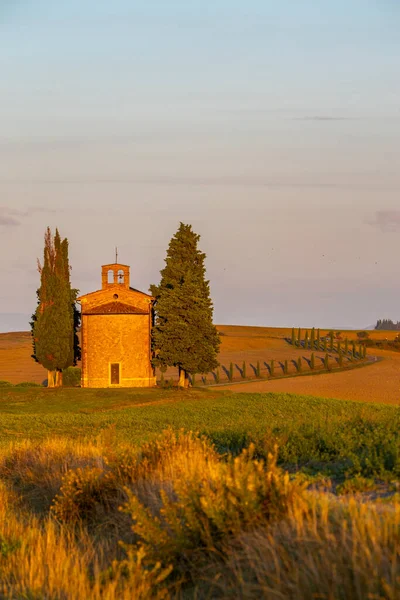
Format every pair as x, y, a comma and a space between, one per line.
387, 325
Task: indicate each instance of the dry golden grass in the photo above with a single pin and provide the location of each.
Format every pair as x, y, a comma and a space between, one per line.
335, 550
16, 364
202, 526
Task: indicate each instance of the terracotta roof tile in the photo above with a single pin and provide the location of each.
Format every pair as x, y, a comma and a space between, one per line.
114, 308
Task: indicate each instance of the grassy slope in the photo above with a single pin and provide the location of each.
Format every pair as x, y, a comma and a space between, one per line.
35, 413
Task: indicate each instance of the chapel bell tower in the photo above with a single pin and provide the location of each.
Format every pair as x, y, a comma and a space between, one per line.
114, 274
116, 333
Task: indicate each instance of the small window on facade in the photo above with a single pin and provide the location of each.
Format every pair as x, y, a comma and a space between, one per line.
110, 277
121, 276
115, 374
115, 296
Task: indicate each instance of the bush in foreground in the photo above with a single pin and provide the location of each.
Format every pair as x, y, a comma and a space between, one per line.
204, 525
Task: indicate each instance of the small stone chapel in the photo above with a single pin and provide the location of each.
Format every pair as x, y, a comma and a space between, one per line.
116, 333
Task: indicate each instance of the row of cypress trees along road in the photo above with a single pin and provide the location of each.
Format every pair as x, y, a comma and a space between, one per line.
56, 320
313, 342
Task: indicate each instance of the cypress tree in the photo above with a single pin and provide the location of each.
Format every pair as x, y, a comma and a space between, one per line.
293, 337
258, 370
56, 319
340, 357
312, 338
299, 365
331, 335
339, 347
325, 344
346, 346
286, 367
326, 362
318, 339
354, 349
231, 372
299, 337
217, 376
244, 370
272, 368
312, 362
306, 340
183, 335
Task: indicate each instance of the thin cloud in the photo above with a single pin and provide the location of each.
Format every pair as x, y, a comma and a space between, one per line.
199, 181
7, 219
11, 217
388, 221
323, 118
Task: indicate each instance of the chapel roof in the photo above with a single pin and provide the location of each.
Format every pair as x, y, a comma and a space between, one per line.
115, 286
114, 308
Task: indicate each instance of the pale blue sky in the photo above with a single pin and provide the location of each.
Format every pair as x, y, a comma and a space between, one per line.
272, 127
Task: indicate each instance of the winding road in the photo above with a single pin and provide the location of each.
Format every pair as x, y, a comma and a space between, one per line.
378, 382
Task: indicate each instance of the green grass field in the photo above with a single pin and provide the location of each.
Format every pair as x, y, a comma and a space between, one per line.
361, 437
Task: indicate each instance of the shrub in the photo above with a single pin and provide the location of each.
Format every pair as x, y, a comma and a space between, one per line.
27, 384
5, 384
85, 494
8, 546
362, 335
72, 377
356, 484
170, 455
203, 509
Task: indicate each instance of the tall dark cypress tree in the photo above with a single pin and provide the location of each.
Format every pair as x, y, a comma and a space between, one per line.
312, 338
306, 340
183, 335
54, 324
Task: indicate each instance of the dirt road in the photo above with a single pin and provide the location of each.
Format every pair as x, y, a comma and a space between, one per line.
379, 382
